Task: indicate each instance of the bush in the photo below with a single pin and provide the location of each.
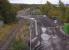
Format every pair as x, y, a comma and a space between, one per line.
19, 45
66, 28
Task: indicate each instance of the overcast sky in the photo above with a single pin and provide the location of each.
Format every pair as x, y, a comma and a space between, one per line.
37, 1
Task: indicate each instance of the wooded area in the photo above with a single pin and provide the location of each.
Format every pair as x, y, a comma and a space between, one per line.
59, 11
8, 11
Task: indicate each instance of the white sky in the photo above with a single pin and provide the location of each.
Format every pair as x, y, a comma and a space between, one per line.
65, 1
37, 1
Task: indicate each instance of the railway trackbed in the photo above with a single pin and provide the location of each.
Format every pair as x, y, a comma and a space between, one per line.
12, 36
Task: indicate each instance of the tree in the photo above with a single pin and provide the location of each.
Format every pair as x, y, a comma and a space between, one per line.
49, 9
5, 11
62, 10
67, 15
64, 16
45, 8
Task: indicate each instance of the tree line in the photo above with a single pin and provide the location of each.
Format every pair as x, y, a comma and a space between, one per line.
59, 11
8, 11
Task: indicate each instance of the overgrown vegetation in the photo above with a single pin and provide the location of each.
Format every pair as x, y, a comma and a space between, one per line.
21, 42
19, 45
5, 30
8, 11
60, 11
5, 13
8, 15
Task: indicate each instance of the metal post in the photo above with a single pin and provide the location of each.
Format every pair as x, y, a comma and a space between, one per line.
36, 29
30, 36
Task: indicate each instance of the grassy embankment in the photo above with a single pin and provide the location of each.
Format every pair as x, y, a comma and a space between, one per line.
21, 38
5, 30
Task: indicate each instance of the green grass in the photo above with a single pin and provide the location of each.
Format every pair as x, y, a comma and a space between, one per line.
66, 28
19, 45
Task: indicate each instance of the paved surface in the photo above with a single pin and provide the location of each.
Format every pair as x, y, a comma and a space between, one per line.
56, 40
